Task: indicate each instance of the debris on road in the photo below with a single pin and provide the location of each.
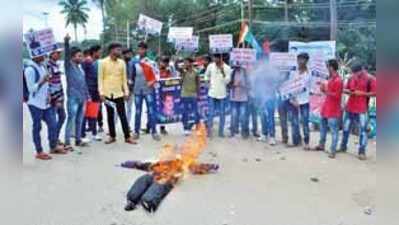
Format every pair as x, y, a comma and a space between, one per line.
314, 179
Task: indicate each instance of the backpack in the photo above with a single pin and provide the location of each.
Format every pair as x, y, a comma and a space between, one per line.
25, 85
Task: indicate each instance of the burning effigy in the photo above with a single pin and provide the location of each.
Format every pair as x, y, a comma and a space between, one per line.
174, 162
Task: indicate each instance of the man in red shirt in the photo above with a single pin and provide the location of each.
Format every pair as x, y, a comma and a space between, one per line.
360, 87
331, 109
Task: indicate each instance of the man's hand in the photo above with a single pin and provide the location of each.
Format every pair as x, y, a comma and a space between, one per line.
102, 98
126, 97
359, 93
45, 79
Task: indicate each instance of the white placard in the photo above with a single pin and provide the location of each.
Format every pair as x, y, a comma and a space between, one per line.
40, 42
220, 43
293, 86
149, 25
283, 61
314, 47
180, 33
188, 44
242, 56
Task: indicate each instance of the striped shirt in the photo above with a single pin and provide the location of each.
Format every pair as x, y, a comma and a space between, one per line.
55, 85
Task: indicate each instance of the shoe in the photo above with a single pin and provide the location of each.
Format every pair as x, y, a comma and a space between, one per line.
43, 156
81, 144
130, 206
318, 148
136, 136
187, 133
97, 138
156, 137
69, 148
331, 155
262, 139
306, 147
110, 141
256, 135
362, 157
85, 140
293, 145
100, 130
131, 141
342, 149
231, 135
164, 131
145, 131
272, 141
58, 150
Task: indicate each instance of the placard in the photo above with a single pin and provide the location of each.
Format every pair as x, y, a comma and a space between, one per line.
283, 61
242, 56
220, 43
40, 42
187, 44
149, 25
180, 33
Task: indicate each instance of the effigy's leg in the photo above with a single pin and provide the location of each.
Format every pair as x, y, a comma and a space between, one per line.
137, 190
154, 195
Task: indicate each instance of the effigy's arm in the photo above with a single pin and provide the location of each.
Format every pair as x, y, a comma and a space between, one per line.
134, 164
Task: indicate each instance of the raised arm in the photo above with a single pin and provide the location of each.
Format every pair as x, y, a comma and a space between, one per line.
67, 53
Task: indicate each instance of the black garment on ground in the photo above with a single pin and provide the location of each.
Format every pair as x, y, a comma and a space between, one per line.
120, 108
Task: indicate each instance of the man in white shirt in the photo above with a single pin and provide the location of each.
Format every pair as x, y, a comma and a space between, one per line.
37, 79
219, 74
299, 105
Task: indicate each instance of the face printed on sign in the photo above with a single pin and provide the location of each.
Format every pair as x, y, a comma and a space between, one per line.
168, 105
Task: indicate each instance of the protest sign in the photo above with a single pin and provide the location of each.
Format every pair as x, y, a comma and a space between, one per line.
283, 61
242, 56
180, 33
149, 25
220, 43
326, 47
40, 42
167, 100
187, 44
293, 86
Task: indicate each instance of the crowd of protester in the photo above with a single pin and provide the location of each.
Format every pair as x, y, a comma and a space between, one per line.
122, 81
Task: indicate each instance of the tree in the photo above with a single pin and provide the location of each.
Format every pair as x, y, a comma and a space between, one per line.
101, 5
75, 13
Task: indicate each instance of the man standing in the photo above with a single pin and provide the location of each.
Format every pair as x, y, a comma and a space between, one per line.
331, 110
77, 94
90, 67
299, 105
56, 90
143, 91
37, 78
218, 73
127, 57
360, 87
113, 89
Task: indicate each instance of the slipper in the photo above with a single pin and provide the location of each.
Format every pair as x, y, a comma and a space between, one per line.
43, 156
69, 148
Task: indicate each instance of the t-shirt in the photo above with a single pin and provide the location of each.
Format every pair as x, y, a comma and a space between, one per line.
140, 83
332, 103
303, 98
55, 85
240, 86
362, 82
189, 84
218, 82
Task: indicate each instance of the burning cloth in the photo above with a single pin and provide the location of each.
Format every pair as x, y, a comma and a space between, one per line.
174, 162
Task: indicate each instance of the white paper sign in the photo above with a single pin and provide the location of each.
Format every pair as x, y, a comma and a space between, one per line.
188, 44
220, 43
293, 86
40, 42
149, 25
242, 56
314, 47
180, 33
283, 61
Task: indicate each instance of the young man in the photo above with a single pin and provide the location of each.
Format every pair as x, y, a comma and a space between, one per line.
127, 54
113, 90
299, 105
90, 67
143, 91
331, 110
219, 74
37, 81
239, 95
77, 95
360, 87
190, 87
56, 90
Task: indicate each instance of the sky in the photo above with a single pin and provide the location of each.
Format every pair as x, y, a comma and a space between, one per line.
33, 18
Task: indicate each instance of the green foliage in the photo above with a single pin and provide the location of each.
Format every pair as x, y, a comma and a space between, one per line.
75, 13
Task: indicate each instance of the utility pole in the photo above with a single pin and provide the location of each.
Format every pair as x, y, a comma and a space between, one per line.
128, 34
286, 28
333, 19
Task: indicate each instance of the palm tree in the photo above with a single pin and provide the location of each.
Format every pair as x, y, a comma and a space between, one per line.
101, 5
75, 13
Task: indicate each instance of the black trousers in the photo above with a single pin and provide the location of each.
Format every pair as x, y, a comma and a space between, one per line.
100, 116
120, 108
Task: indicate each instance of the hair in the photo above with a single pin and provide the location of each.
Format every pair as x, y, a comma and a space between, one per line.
189, 59
356, 67
165, 59
303, 55
217, 55
208, 58
95, 48
333, 63
87, 52
75, 50
127, 50
114, 45
142, 45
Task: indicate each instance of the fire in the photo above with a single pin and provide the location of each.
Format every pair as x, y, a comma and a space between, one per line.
175, 161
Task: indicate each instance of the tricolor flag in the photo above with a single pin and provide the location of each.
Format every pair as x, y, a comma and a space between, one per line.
247, 36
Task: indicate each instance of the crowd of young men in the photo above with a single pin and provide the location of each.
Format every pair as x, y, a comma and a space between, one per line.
121, 79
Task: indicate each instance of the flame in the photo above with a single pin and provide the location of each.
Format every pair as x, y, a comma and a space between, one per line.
172, 165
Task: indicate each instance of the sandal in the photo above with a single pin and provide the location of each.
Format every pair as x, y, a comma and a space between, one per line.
43, 156
69, 148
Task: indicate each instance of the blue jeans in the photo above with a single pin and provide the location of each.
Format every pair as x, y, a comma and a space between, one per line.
333, 124
76, 111
301, 112
92, 126
268, 122
60, 119
239, 117
283, 109
189, 105
48, 116
253, 115
149, 102
349, 121
214, 104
